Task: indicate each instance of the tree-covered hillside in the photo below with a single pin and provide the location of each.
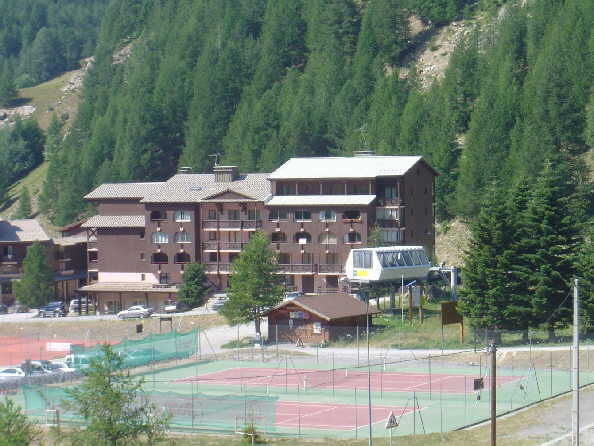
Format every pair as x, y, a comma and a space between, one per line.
42, 38
260, 81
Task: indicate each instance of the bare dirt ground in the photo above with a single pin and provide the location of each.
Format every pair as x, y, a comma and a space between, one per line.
450, 242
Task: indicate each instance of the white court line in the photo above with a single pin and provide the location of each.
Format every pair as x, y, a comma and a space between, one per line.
563, 437
426, 383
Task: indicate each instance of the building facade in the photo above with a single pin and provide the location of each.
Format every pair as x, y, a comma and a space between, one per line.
66, 255
314, 211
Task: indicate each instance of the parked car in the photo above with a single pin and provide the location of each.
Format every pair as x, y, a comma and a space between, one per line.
3, 309
53, 309
135, 311
292, 295
34, 368
217, 301
57, 366
172, 306
20, 308
11, 372
82, 304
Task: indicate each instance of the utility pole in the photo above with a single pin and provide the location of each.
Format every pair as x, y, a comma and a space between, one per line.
368, 372
492, 348
575, 369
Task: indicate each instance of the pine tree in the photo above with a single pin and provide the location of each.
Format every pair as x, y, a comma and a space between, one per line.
24, 208
15, 428
192, 290
585, 274
552, 221
8, 90
36, 286
484, 297
254, 285
54, 138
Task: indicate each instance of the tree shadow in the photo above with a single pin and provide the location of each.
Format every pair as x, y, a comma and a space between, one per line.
18, 102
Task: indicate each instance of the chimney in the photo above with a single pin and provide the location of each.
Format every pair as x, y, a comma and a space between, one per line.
184, 169
225, 174
364, 153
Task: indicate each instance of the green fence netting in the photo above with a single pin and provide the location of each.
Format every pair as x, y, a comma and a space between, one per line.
227, 413
135, 353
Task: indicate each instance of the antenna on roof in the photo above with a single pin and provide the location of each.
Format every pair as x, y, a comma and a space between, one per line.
216, 158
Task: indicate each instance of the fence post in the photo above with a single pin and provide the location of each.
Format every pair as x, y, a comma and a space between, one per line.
430, 377
332, 373
551, 369
276, 339
357, 345
356, 416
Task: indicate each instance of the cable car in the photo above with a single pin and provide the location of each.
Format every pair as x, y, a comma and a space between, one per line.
389, 263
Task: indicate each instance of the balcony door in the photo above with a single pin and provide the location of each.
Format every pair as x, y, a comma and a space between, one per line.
307, 284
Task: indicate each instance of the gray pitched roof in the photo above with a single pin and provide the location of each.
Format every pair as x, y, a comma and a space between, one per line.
28, 230
345, 167
192, 188
320, 200
115, 221
122, 190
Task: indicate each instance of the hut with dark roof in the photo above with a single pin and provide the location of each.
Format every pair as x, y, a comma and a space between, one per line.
318, 319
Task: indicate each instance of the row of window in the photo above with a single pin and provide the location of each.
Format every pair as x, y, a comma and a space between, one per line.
179, 216
325, 238
325, 215
160, 238
162, 258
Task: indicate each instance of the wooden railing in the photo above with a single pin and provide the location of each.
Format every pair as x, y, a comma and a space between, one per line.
232, 224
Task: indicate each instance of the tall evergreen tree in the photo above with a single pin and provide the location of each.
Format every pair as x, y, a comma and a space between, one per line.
24, 207
36, 286
254, 285
552, 220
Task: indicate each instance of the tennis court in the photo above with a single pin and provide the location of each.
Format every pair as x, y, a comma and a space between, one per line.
332, 416
343, 379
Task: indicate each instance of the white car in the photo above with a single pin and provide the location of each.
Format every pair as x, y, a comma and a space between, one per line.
11, 372
59, 366
292, 295
216, 302
135, 311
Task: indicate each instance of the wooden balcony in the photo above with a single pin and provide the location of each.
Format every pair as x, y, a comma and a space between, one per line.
388, 223
330, 268
231, 225
223, 246
389, 202
217, 268
297, 268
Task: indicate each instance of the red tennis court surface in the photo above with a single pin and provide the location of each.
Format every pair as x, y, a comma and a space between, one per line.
331, 416
344, 379
15, 350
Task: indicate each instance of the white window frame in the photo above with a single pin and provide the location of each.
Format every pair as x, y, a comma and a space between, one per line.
183, 216
324, 215
301, 218
187, 238
317, 328
159, 238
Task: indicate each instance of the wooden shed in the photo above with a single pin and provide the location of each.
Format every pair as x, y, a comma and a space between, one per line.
317, 319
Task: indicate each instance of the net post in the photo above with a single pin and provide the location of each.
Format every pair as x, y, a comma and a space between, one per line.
551, 370
430, 376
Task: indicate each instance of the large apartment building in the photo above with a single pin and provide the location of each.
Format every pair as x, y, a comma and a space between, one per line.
314, 211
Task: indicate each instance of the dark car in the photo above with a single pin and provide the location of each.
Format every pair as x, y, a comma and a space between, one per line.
3, 309
53, 309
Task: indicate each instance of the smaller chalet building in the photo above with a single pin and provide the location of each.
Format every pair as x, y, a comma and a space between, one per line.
317, 319
66, 255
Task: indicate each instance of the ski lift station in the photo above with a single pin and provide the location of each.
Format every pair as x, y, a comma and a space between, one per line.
386, 264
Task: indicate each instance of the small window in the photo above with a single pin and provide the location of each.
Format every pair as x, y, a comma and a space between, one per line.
362, 259
212, 257
390, 236
8, 252
253, 214
351, 215
159, 258
233, 214
327, 238
283, 258
352, 237
159, 238
158, 215
182, 257
142, 277
142, 234
212, 236
212, 214
327, 215
390, 191
317, 327
142, 256
302, 215
302, 238
360, 189
277, 215
278, 237
183, 216
182, 237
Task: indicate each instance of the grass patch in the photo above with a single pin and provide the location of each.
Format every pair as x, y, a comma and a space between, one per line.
244, 342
